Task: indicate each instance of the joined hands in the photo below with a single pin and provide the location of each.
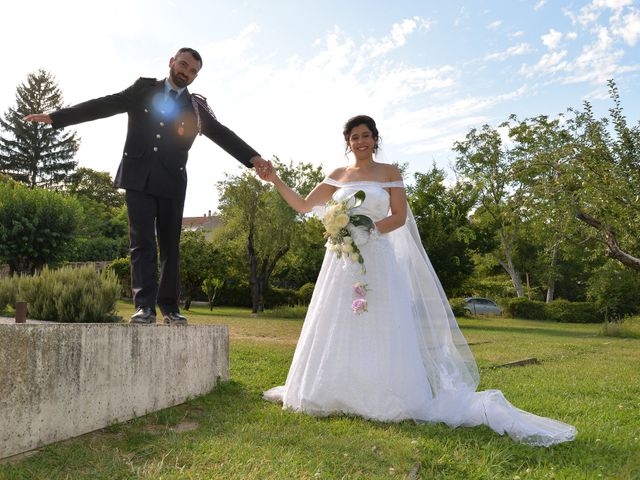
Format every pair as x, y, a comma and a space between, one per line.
264, 169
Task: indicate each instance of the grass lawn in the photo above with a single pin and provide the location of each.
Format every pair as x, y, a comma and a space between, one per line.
589, 381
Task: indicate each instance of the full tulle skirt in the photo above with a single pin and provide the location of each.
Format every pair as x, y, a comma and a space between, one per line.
373, 365
404, 358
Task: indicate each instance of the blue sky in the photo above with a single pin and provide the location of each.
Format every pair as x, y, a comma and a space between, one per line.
286, 75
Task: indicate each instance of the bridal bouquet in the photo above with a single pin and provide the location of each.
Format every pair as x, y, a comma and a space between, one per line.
345, 230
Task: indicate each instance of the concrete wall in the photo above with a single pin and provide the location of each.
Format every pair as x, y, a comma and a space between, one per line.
62, 380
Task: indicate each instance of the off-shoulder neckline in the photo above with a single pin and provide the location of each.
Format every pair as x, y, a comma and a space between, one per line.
336, 183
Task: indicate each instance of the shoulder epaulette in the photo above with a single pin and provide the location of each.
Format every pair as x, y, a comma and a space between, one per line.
198, 101
145, 82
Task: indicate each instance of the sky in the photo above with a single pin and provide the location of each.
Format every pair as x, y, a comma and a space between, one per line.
285, 75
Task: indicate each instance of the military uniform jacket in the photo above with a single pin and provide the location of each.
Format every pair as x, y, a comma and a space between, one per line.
159, 135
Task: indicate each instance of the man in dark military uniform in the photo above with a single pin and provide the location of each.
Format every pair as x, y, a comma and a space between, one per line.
164, 119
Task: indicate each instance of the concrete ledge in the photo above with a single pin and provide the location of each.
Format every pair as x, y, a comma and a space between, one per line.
58, 381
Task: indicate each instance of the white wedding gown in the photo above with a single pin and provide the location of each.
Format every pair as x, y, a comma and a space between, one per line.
403, 359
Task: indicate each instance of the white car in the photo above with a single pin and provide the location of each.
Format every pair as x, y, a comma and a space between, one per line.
482, 306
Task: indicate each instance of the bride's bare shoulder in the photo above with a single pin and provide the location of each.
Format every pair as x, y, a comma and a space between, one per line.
338, 174
392, 172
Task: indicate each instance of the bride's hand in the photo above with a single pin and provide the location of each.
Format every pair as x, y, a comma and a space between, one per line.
269, 173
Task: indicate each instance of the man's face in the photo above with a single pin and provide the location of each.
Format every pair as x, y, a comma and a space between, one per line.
183, 69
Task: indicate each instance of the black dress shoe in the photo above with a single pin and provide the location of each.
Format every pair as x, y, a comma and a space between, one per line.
144, 316
175, 318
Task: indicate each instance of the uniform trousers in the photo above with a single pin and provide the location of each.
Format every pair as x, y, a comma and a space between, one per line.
151, 216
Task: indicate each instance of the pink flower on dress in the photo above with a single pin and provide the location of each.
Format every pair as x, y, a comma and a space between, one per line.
359, 306
360, 289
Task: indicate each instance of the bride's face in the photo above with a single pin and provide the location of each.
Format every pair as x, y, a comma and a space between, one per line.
361, 142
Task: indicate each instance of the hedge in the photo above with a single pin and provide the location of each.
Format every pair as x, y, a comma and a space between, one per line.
573, 312
558, 310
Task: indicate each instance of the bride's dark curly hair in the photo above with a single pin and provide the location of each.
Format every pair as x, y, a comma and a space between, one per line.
361, 120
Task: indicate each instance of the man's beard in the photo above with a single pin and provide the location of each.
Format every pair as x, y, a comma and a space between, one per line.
178, 80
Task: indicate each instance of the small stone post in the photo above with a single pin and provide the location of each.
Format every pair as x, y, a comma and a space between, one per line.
21, 312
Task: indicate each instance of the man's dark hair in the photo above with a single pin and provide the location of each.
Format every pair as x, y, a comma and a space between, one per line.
192, 52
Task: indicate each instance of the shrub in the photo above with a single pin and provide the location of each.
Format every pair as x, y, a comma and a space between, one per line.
572, 312
275, 296
525, 308
121, 267
628, 327
615, 290
7, 292
457, 305
305, 292
70, 295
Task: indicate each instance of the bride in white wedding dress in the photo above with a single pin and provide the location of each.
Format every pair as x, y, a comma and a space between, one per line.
404, 357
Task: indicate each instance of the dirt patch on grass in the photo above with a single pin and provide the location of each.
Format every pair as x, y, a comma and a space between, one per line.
264, 339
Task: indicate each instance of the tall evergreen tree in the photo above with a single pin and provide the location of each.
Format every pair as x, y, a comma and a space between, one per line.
33, 153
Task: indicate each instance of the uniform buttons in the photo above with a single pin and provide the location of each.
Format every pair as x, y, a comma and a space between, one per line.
181, 169
125, 154
146, 111
155, 149
157, 135
162, 124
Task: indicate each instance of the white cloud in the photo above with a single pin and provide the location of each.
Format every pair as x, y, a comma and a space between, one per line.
589, 14
519, 33
597, 62
539, 5
549, 63
612, 4
397, 37
552, 39
494, 25
585, 17
601, 56
436, 127
627, 27
521, 49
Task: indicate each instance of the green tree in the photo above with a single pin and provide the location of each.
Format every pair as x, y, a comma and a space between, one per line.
603, 180
103, 232
33, 153
486, 163
577, 167
210, 287
254, 211
542, 146
36, 226
441, 215
302, 262
97, 186
196, 265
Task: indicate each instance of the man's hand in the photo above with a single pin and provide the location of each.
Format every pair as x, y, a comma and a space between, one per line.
38, 117
262, 166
